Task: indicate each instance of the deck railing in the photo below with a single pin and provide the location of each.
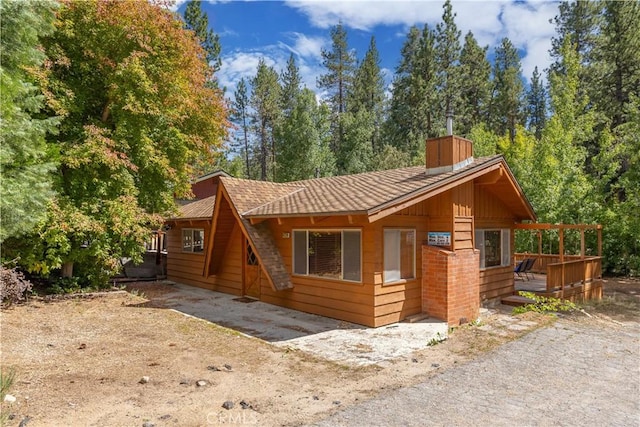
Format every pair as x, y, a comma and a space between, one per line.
543, 260
573, 273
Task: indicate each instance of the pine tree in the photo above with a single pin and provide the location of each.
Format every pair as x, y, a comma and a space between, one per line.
367, 93
579, 21
475, 85
447, 50
506, 110
240, 116
414, 114
303, 135
291, 82
265, 101
196, 20
536, 104
340, 63
25, 164
618, 60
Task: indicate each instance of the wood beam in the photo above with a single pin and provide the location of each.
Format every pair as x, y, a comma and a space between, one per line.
490, 178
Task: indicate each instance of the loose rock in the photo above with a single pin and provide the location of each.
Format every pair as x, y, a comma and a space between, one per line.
245, 405
9, 398
148, 424
213, 368
228, 367
144, 380
228, 405
201, 383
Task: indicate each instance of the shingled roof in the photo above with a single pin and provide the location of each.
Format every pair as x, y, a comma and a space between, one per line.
198, 209
364, 193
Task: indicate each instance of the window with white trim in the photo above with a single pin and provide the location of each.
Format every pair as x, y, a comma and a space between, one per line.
399, 255
331, 254
193, 240
494, 246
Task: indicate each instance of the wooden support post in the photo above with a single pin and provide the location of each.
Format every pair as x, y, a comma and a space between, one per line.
582, 250
600, 241
561, 250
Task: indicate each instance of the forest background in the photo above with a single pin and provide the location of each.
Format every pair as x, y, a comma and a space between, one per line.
110, 108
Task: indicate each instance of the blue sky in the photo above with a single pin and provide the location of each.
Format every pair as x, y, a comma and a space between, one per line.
250, 30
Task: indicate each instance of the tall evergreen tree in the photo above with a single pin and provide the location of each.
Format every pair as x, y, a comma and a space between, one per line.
303, 136
367, 93
577, 20
618, 60
196, 20
475, 86
25, 164
291, 82
447, 50
340, 63
240, 117
508, 91
536, 104
414, 115
265, 100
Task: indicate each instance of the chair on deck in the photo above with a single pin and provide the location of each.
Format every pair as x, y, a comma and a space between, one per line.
527, 268
519, 269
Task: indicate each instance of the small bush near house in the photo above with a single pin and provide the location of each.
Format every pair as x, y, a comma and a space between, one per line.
544, 304
13, 285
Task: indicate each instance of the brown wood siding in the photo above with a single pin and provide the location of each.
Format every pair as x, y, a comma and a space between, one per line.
489, 210
225, 223
332, 298
463, 232
495, 282
187, 268
462, 197
447, 150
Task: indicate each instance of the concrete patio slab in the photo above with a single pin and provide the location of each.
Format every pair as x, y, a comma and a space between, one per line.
331, 339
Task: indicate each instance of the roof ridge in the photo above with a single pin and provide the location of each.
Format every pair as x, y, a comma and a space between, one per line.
275, 200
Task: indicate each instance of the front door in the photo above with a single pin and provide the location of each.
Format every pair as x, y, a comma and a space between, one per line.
251, 273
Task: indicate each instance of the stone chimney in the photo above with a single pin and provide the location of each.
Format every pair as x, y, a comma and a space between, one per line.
447, 154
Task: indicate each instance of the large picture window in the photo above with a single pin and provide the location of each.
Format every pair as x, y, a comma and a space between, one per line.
192, 240
331, 254
494, 247
399, 255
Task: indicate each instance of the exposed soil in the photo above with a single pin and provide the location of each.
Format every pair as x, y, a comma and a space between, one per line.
79, 361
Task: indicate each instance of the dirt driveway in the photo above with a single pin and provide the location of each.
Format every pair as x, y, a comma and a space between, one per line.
81, 361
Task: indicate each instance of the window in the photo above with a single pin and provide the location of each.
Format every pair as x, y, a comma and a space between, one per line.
192, 240
494, 247
399, 255
328, 254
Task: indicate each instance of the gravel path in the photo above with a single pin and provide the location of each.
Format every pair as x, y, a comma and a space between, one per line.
570, 374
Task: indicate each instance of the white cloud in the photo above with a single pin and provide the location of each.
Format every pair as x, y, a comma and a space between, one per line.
305, 46
239, 64
528, 27
525, 23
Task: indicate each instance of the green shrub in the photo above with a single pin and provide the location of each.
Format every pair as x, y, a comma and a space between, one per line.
543, 304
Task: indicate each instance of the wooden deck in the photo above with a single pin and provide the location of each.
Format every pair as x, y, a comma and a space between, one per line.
548, 286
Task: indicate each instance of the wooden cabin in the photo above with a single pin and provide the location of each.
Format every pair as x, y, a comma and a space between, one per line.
373, 248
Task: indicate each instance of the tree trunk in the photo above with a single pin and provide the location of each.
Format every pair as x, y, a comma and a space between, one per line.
67, 269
